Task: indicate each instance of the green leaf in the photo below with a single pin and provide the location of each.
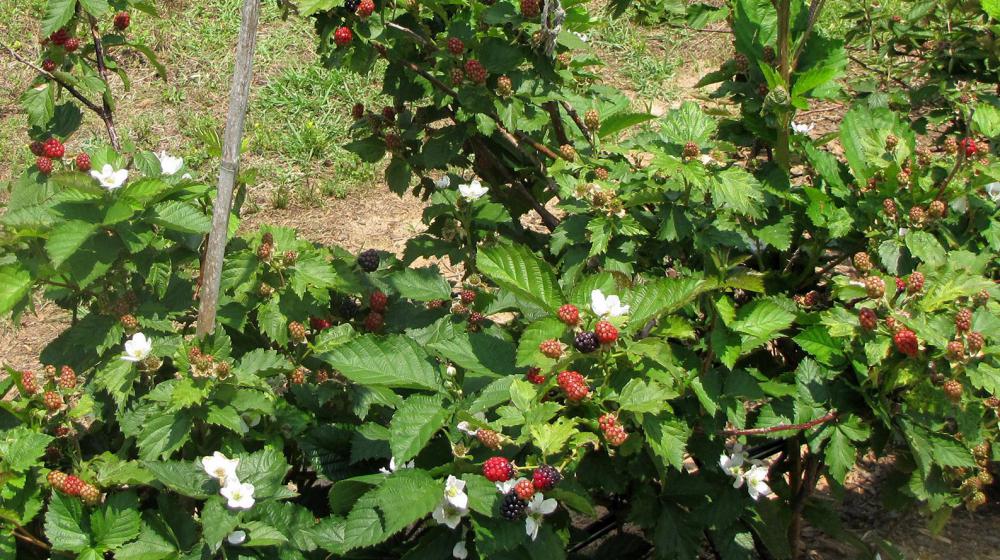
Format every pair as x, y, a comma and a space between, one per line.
310, 7
117, 521
39, 103
407, 496
992, 7
986, 118
735, 189
551, 438
528, 353
66, 238
97, 8
840, 455
817, 341
15, 283
20, 448
688, 123
394, 361
217, 521
761, 321
66, 528
164, 433
181, 216
667, 437
266, 470
413, 425
926, 247
420, 284
151, 545
640, 396
620, 121
516, 269
663, 296
57, 14
187, 478
478, 352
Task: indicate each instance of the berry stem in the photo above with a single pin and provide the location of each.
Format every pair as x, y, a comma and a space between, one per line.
828, 417
107, 114
66, 86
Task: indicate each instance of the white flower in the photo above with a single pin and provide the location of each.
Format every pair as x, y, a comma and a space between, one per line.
538, 508
733, 464
460, 551
454, 492
393, 467
473, 190
110, 178
961, 204
137, 348
239, 494
609, 305
993, 190
452, 372
220, 467
447, 514
442, 182
169, 164
581, 36
237, 537
903, 231
802, 128
464, 427
756, 479
506, 486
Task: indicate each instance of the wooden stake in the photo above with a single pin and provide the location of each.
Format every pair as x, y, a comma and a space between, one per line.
239, 96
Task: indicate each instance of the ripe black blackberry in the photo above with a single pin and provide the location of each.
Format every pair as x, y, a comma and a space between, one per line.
586, 342
368, 260
352, 5
512, 506
348, 307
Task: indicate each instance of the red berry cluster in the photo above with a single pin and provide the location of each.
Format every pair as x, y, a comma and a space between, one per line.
551, 348
530, 8
498, 469
875, 286
535, 376
915, 283
468, 297
122, 21
378, 301
455, 46
606, 332
342, 37
72, 485
545, 478
613, 431
67, 378
298, 376
83, 162
569, 314
963, 320
969, 145
574, 385
374, 321
365, 8
868, 319
53, 149
524, 489
53, 400
319, 323
906, 342
29, 383
475, 71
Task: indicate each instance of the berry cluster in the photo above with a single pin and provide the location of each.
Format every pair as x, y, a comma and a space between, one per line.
456, 46
475, 71
365, 8
488, 438
535, 376
613, 431
368, 260
906, 342
574, 385
512, 506
586, 342
297, 332
343, 36
498, 469
122, 21
319, 323
569, 314
530, 8
378, 301
551, 348
606, 332
72, 485
874, 286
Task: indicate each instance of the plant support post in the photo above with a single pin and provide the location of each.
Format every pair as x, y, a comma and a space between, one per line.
239, 95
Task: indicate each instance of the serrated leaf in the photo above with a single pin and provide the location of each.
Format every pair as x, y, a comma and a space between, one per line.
66, 528
528, 353
667, 437
413, 425
497, 392
217, 521
688, 123
264, 362
97, 8
639, 396
266, 470
761, 321
393, 361
406, 496
518, 270
735, 189
182, 217
187, 478
116, 522
15, 283
151, 545
39, 103
20, 448
57, 14
164, 433
551, 438
926, 247
817, 341
478, 352
620, 121
660, 297
420, 284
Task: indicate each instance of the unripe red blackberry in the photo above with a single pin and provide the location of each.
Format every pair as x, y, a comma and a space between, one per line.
592, 120
37, 148
616, 435
568, 152
59, 37
368, 260
915, 283
691, 150
297, 332
83, 162
917, 216
53, 401
953, 390
923, 156
298, 376
366, 8
535, 376
342, 36
265, 290
61, 431
569, 314
358, 111
374, 322
574, 385
512, 506
475, 71
524, 489
889, 209
389, 114
468, 297
893, 325
498, 469
862, 261
378, 301
963, 320
551, 348
318, 324
72, 44
56, 479
455, 46
586, 342
505, 88
937, 209
606, 421
476, 319
90, 495
530, 8
874, 286
72, 486
606, 332
975, 341
488, 438
956, 351
868, 319
906, 342
265, 252
969, 146
545, 478
67, 378
601, 173
900, 284
122, 21
457, 76
891, 142
981, 298
53, 149
28, 383
48, 65
289, 258
393, 142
